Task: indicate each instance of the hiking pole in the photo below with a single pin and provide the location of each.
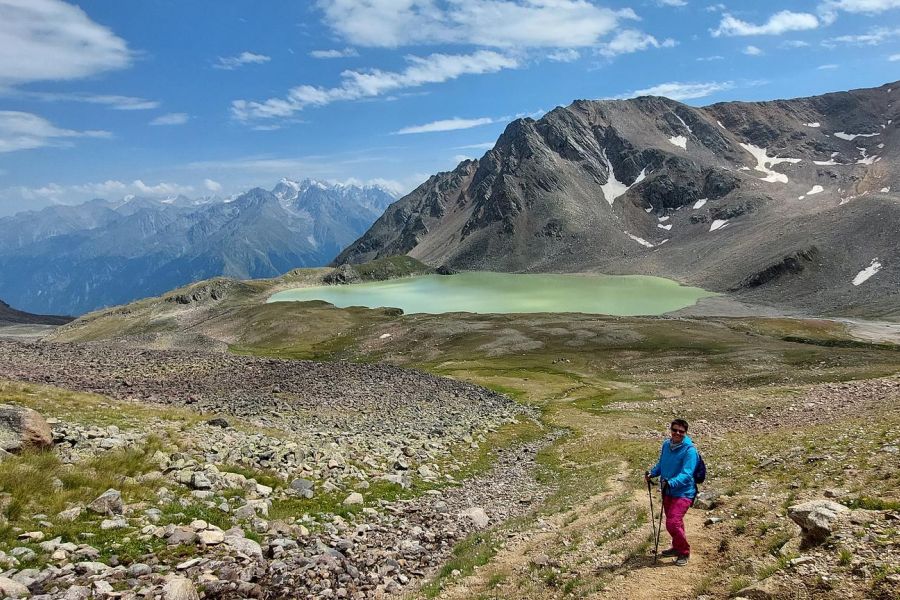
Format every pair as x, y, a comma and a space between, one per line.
652, 514
662, 492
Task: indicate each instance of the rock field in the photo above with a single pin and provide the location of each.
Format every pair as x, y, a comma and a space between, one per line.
364, 454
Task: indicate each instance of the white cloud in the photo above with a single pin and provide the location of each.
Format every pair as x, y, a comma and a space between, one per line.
752, 51
873, 38
77, 193
345, 53
112, 101
681, 91
827, 67
710, 58
780, 22
435, 68
632, 40
492, 23
719, 7
671, 2
213, 186
458, 158
894, 57
24, 131
445, 125
171, 119
793, 44
829, 9
564, 55
47, 40
244, 58
481, 146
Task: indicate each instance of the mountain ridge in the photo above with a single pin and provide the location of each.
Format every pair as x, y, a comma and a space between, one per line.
72, 259
711, 196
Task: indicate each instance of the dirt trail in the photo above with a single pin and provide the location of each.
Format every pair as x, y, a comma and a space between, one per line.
664, 580
635, 577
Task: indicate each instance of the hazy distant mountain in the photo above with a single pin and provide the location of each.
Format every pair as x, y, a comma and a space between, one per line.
792, 202
72, 259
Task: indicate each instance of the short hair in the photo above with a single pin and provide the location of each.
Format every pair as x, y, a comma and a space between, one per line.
681, 422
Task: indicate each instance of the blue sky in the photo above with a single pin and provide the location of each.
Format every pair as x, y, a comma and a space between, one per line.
107, 98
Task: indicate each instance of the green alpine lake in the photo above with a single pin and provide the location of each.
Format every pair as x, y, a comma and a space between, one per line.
485, 292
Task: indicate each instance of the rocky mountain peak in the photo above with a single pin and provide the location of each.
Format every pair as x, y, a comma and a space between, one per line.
713, 195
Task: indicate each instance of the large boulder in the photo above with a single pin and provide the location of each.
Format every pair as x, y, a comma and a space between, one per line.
816, 518
23, 429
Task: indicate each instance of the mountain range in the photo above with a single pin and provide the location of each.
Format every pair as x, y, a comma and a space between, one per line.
73, 259
791, 203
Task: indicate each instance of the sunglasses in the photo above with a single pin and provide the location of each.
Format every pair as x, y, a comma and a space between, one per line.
680, 431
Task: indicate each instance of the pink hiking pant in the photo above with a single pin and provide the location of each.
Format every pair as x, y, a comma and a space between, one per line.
675, 510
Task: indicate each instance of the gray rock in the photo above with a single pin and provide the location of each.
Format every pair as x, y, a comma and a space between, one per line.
23, 429
200, 481
244, 546
179, 588
78, 592
108, 503
13, 589
816, 518
477, 515
139, 570
353, 499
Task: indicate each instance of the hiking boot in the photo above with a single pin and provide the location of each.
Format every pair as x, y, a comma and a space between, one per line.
681, 560
669, 552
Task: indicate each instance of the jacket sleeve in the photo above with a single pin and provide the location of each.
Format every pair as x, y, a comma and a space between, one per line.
686, 475
654, 471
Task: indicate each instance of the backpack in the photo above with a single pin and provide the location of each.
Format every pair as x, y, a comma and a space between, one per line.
700, 469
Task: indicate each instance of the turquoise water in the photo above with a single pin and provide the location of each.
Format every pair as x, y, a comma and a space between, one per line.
509, 293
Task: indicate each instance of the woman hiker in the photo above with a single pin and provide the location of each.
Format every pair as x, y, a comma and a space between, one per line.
675, 467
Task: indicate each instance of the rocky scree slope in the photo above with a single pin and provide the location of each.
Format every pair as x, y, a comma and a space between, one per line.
72, 259
324, 442
789, 202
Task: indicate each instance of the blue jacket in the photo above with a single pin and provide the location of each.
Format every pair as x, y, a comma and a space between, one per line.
678, 468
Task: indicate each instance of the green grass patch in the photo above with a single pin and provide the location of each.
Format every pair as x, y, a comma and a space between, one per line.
475, 551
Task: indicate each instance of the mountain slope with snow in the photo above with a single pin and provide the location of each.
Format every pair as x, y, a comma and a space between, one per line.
723, 196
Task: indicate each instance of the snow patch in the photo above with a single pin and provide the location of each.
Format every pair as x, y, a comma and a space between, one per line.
885, 190
663, 242
648, 210
816, 189
640, 241
718, 224
815, 124
764, 163
613, 188
665, 218
699, 203
864, 275
678, 140
384, 336
686, 126
853, 136
719, 123
880, 146
312, 241
866, 159
666, 227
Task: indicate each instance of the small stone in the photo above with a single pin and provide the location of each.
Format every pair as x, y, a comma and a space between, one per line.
139, 570
70, 514
199, 481
13, 589
353, 499
188, 563
119, 523
108, 503
78, 592
179, 588
477, 515
211, 537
